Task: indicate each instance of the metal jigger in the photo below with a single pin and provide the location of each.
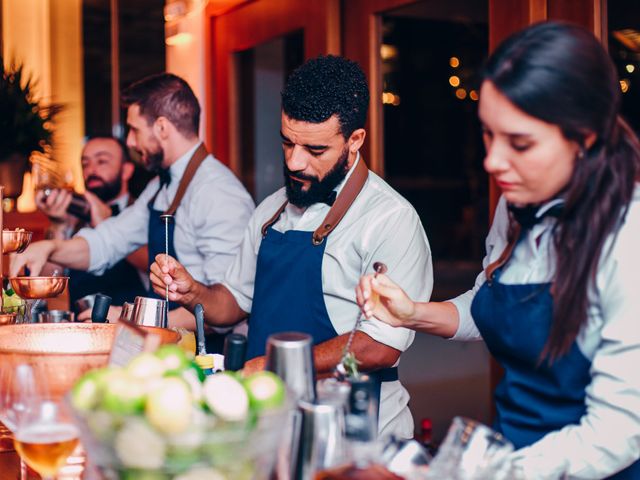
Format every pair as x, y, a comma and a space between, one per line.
166, 219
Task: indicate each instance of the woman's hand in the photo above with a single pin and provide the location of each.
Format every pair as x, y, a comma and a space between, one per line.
381, 298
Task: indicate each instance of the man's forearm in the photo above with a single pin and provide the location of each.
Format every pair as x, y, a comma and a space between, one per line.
371, 354
72, 253
219, 304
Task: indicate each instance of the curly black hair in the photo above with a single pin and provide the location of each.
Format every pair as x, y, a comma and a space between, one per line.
327, 86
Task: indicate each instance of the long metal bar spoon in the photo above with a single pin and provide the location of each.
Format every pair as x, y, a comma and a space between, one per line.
341, 369
166, 218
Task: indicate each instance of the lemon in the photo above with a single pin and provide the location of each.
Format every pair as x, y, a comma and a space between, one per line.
169, 405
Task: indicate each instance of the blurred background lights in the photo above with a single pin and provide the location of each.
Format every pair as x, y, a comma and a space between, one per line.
624, 85
454, 80
454, 62
461, 93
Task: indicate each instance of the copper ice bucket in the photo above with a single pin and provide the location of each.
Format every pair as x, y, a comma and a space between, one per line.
61, 351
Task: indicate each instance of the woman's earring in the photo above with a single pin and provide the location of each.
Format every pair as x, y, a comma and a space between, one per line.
581, 153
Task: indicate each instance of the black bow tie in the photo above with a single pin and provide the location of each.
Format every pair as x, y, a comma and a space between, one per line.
528, 216
115, 209
165, 177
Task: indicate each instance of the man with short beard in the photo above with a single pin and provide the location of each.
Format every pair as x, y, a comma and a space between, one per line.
307, 244
209, 206
106, 170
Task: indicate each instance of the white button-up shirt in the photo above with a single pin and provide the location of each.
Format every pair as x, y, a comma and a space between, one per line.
607, 439
209, 223
379, 226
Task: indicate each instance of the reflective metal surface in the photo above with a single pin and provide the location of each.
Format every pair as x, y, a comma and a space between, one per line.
150, 312
56, 316
85, 303
15, 240
289, 356
38, 287
8, 318
65, 350
127, 311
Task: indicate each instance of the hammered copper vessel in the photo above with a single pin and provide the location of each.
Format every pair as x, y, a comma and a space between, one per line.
38, 287
64, 351
15, 240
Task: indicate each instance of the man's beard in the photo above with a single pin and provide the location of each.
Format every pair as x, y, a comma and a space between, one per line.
319, 190
108, 190
154, 160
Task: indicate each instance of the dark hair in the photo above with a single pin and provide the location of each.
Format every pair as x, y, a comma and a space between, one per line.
165, 95
559, 73
124, 151
327, 86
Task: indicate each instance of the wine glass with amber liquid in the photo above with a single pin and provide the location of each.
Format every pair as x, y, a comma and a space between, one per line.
45, 436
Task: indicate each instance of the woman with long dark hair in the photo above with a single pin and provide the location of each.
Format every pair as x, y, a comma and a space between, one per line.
558, 301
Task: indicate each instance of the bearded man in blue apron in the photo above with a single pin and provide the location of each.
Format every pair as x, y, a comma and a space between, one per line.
308, 243
210, 210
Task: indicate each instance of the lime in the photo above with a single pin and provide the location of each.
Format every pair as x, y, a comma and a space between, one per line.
226, 397
266, 390
175, 359
169, 405
86, 392
146, 366
123, 394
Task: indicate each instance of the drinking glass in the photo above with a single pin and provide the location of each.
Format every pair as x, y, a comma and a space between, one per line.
17, 386
470, 451
43, 432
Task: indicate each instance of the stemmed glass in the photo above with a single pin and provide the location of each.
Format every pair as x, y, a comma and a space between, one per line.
43, 432
18, 385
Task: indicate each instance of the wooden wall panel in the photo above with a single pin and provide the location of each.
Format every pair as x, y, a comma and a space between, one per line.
250, 25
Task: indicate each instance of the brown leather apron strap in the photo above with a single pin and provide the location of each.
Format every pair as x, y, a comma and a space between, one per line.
504, 256
347, 195
273, 219
194, 163
344, 200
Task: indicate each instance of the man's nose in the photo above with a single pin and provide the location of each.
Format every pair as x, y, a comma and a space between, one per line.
298, 159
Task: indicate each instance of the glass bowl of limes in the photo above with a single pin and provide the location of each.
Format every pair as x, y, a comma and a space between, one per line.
161, 418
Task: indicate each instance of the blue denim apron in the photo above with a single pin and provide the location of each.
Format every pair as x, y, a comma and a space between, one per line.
288, 293
156, 230
532, 399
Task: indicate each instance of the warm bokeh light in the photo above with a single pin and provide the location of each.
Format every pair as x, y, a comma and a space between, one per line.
473, 95
388, 52
454, 62
179, 39
454, 80
461, 93
389, 98
624, 85
630, 68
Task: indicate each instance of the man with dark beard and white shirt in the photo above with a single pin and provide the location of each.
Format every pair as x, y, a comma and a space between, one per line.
209, 205
106, 171
308, 243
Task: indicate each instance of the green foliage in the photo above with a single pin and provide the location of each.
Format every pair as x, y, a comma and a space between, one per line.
25, 125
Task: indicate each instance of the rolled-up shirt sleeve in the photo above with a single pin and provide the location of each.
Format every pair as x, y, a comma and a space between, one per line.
397, 238
495, 243
607, 438
115, 238
220, 221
